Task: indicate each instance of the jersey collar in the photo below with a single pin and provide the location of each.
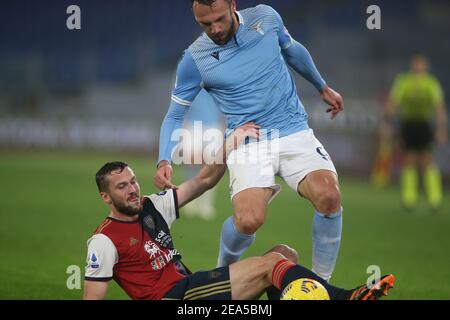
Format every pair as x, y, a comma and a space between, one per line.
122, 221
238, 35
240, 17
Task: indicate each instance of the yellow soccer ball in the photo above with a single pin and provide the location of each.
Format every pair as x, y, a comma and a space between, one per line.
305, 289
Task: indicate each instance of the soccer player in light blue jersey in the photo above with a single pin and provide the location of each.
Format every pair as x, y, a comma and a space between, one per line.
242, 60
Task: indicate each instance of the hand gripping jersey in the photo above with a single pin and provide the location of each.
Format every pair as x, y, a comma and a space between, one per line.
139, 256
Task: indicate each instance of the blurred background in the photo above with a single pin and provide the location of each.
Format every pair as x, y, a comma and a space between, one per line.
72, 88
71, 100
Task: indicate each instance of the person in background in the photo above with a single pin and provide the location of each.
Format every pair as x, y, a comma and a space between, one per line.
417, 100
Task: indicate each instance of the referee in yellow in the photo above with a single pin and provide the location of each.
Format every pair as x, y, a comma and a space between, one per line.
416, 98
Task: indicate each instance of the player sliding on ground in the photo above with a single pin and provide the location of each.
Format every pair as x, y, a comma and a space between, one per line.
134, 246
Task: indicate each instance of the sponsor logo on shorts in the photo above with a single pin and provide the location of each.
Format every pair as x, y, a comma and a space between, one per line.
321, 151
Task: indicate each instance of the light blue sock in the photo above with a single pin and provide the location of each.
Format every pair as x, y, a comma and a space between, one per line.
232, 243
326, 236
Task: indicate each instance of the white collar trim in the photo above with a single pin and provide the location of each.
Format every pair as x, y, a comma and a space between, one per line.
241, 18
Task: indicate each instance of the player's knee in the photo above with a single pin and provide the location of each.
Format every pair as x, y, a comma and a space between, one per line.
288, 252
249, 223
329, 200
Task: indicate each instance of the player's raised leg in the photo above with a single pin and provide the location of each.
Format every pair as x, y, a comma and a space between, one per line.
308, 169
238, 231
321, 187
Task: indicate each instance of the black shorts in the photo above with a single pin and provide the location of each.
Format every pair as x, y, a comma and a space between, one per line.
204, 285
417, 136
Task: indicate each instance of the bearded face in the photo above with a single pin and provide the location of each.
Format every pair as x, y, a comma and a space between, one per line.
217, 20
123, 194
130, 207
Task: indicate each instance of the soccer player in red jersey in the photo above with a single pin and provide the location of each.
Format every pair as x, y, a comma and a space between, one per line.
134, 246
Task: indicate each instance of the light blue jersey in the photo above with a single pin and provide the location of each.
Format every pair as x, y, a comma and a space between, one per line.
248, 77
204, 109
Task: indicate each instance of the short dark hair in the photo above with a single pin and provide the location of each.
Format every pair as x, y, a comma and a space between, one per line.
101, 175
207, 2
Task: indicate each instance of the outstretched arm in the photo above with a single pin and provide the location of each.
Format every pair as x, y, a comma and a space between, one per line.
297, 56
187, 87
173, 121
211, 174
299, 59
206, 179
95, 290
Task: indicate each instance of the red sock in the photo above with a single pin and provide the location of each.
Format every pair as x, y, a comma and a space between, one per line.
279, 271
285, 272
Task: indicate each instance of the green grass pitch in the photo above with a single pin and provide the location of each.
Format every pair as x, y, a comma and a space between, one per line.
50, 206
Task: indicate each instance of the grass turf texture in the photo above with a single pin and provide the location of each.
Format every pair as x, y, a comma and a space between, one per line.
50, 206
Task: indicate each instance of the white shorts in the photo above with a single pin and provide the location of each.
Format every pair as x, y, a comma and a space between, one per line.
292, 157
